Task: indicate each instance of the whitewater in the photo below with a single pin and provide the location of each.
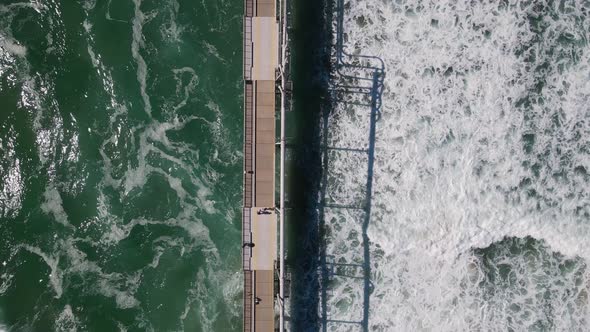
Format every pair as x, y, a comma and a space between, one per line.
480, 210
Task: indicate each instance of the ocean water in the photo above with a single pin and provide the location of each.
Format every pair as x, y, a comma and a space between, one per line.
480, 208
120, 165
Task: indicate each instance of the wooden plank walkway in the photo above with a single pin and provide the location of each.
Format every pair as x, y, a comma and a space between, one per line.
259, 231
265, 144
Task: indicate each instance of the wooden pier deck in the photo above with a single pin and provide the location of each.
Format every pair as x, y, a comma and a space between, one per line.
259, 218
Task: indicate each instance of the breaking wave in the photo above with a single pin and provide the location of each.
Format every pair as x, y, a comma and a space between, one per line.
480, 208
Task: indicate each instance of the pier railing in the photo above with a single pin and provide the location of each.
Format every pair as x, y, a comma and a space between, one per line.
248, 300
246, 238
249, 8
247, 48
248, 143
248, 173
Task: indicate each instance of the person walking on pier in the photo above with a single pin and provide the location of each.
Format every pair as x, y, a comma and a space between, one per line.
263, 211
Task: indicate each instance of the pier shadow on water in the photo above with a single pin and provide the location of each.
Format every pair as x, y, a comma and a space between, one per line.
326, 79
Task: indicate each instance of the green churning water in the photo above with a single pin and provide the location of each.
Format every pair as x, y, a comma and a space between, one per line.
120, 165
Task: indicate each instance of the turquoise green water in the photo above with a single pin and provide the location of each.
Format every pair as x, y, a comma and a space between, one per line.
121, 165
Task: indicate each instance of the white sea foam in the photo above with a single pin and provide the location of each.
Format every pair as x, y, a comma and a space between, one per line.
67, 321
455, 168
13, 47
232, 288
11, 188
55, 276
102, 71
56, 145
202, 295
5, 282
56, 36
136, 46
223, 153
182, 89
153, 140
172, 31
212, 50
12, 51
108, 14
123, 297
53, 205
209, 287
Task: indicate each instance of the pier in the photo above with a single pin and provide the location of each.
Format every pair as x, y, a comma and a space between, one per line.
262, 217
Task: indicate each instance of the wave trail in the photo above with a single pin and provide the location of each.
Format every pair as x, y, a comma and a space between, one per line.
136, 45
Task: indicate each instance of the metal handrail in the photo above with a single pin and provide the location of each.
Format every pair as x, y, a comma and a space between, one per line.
249, 8
247, 51
248, 299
